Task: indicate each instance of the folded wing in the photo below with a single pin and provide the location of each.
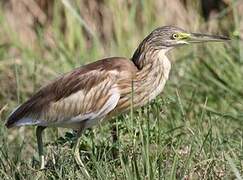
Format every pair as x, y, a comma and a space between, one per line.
84, 95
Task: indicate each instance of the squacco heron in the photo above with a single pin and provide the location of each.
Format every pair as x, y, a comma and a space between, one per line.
94, 92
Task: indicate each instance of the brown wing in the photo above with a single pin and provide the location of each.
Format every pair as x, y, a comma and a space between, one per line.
90, 91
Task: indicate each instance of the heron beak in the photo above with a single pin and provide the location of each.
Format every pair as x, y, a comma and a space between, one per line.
199, 38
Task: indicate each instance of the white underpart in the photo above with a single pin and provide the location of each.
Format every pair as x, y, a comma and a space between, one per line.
165, 63
27, 121
24, 121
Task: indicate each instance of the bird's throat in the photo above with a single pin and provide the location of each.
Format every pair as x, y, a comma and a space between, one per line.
151, 79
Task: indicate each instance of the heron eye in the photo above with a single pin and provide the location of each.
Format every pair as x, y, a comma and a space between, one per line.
175, 36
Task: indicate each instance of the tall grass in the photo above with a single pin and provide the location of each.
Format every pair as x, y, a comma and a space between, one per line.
192, 131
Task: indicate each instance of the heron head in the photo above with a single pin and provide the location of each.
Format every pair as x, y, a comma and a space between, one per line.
167, 37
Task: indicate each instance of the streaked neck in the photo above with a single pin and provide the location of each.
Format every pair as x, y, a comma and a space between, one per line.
151, 79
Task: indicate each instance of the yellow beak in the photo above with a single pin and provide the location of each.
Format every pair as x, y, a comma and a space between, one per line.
198, 38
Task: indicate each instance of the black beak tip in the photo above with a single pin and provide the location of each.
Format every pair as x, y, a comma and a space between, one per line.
212, 37
225, 38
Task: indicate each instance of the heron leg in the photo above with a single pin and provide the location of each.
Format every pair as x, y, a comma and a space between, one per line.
114, 135
39, 131
77, 155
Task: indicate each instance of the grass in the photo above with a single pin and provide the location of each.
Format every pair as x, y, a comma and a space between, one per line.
192, 131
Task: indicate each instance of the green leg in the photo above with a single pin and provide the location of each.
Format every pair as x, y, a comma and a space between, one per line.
39, 131
77, 155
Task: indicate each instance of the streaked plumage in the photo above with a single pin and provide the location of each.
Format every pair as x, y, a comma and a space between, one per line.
100, 90
88, 92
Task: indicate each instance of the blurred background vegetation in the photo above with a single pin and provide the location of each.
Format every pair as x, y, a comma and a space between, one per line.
193, 131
